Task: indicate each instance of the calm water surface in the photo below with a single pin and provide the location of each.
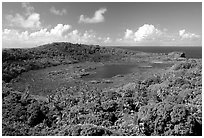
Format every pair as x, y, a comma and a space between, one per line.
109, 71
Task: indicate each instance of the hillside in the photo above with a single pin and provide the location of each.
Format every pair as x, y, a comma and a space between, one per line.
16, 61
158, 102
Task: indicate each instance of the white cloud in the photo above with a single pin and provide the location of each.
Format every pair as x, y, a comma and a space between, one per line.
128, 34
14, 38
107, 40
58, 12
181, 32
75, 36
30, 20
97, 18
185, 35
145, 32
60, 30
149, 35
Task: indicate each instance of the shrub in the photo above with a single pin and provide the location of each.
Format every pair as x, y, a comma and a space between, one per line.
36, 115
152, 80
91, 130
179, 114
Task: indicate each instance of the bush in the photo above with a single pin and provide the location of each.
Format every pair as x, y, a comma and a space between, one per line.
91, 130
184, 65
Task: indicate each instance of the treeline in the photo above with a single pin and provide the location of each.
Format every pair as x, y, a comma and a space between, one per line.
163, 104
16, 61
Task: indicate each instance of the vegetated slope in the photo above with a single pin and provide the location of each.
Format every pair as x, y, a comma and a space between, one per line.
162, 104
16, 61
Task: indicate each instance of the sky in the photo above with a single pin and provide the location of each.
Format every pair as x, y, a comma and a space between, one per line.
103, 23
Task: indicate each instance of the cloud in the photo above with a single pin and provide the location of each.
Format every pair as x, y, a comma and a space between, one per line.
13, 38
88, 37
181, 32
30, 20
149, 35
14, 35
58, 12
60, 29
129, 34
144, 33
55, 33
97, 18
147, 32
107, 40
185, 35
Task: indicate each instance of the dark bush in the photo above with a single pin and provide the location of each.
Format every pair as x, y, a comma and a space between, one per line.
36, 115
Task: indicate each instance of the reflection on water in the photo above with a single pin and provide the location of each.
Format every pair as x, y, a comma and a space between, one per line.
109, 71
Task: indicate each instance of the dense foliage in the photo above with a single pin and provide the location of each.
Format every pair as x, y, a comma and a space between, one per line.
169, 103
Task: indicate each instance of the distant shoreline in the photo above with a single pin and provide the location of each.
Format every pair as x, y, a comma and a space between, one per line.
190, 51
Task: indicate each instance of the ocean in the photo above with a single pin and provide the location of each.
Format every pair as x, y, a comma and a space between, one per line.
190, 52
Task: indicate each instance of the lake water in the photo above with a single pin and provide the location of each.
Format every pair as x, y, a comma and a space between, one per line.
109, 71
191, 52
